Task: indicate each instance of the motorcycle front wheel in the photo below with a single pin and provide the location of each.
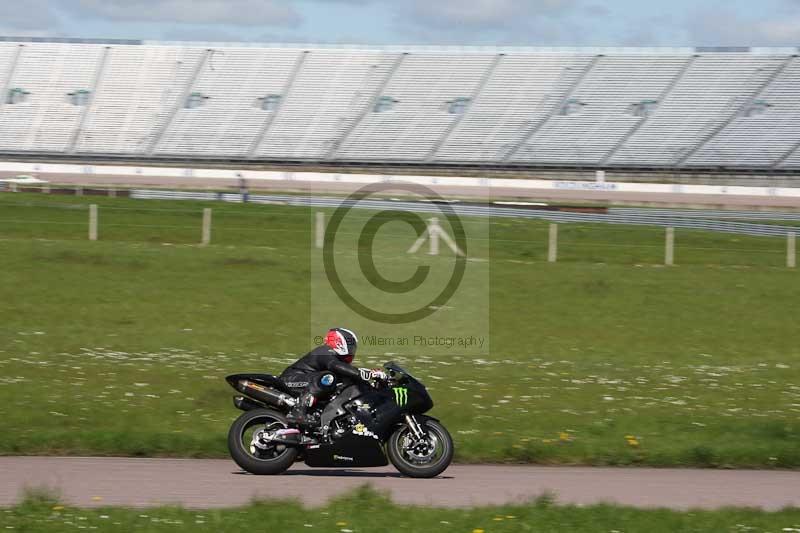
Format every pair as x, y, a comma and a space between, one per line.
421, 458
250, 452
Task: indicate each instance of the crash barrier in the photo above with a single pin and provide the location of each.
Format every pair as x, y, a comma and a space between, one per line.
46, 170
705, 213
614, 216
700, 219
68, 191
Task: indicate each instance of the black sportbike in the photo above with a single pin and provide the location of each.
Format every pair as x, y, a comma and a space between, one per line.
359, 427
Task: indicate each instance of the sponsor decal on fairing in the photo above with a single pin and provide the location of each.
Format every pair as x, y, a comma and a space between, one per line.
400, 395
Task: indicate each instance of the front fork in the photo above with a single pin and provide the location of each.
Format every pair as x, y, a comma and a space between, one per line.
415, 427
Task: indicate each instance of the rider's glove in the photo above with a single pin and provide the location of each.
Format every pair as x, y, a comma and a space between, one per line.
372, 376
378, 375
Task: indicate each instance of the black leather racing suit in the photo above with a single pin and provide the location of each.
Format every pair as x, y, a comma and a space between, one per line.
307, 374
320, 359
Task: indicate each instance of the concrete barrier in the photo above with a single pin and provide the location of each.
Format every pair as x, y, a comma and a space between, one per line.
43, 169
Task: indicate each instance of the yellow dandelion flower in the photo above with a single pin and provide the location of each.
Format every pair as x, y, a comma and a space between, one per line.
58, 507
510, 516
563, 435
341, 523
477, 531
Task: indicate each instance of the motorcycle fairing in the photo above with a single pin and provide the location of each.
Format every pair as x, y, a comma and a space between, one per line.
350, 450
384, 412
335, 407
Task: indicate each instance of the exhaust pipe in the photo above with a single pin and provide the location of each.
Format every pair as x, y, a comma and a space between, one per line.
265, 394
246, 404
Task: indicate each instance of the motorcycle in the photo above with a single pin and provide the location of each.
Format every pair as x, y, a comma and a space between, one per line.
361, 426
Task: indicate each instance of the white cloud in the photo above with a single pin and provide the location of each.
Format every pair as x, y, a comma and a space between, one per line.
725, 27
486, 21
192, 33
783, 31
479, 13
28, 17
216, 12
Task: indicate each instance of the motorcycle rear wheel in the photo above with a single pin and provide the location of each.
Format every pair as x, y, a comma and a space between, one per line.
412, 461
273, 459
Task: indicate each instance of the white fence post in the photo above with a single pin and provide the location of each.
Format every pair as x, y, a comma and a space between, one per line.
93, 222
206, 226
552, 247
320, 235
669, 251
791, 250
12, 187
433, 234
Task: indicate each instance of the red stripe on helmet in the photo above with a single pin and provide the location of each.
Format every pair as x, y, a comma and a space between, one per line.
336, 342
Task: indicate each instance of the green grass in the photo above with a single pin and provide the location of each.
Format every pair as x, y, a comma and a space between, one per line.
120, 346
365, 510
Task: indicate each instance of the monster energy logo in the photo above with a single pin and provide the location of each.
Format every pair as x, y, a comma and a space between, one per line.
400, 395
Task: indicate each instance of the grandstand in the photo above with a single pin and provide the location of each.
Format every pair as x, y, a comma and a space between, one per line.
687, 109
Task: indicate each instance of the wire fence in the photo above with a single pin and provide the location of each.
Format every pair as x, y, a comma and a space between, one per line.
709, 220
621, 236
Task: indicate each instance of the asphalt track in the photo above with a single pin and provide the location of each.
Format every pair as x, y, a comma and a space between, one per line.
568, 195
209, 483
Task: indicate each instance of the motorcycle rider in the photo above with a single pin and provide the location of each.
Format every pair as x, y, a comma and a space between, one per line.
316, 373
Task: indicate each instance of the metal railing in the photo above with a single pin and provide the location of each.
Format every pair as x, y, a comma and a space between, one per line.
707, 220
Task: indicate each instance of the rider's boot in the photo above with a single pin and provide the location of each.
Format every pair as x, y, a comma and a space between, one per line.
299, 413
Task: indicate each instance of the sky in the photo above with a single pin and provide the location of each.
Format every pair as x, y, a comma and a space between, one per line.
398, 22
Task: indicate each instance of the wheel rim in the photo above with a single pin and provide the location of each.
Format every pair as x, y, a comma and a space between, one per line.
251, 443
424, 453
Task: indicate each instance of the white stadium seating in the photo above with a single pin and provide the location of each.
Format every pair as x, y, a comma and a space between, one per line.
138, 89
540, 107
325, 96
229, 119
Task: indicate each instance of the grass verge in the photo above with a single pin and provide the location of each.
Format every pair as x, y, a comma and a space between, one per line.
366, 511
120, 346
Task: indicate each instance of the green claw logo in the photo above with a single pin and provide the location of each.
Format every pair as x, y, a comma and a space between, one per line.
400, 395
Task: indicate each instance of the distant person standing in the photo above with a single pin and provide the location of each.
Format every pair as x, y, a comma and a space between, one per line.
243, 190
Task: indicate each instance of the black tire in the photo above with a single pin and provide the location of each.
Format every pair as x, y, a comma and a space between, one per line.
405, 464
273, 461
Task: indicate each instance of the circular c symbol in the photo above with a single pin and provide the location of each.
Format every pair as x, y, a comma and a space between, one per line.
367, 264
